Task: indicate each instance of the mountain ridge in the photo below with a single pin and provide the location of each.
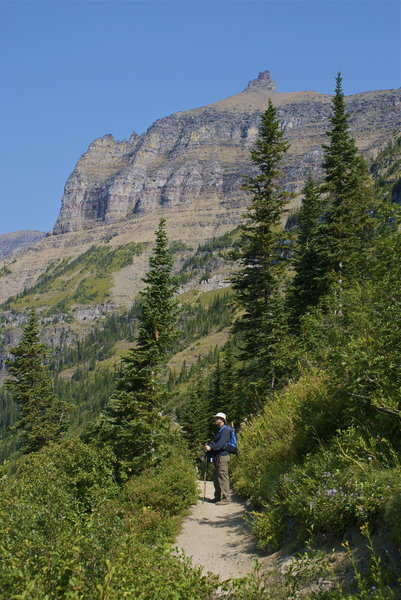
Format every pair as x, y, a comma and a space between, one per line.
189, 168
203, 153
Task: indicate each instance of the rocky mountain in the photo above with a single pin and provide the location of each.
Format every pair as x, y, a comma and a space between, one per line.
10, 243
200, 156
188, 167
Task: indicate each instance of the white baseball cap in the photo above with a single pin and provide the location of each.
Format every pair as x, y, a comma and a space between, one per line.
221, 416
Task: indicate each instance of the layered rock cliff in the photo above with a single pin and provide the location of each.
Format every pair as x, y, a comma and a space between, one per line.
200, 156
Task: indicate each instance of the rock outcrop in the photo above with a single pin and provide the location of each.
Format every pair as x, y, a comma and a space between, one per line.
10, 243
262, 82
200, 156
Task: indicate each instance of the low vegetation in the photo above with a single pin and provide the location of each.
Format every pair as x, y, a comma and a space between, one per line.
76, 534
86, 279
199, 267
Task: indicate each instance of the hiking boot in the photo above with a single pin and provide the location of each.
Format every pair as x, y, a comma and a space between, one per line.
224, 501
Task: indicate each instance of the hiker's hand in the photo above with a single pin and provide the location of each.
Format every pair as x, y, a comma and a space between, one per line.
207, 448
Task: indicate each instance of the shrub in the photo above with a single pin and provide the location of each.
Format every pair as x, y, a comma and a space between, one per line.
271, 442
84, 471
149, 573
67, 531
349, 481
393, 512
168, 488
42, 511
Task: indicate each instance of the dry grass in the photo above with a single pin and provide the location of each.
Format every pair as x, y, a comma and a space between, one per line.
198, 349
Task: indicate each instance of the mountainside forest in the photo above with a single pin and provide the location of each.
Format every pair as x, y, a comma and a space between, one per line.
290, 324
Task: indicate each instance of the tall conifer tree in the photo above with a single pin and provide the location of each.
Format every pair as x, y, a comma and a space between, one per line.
43, 418
158, 315
261, 254
196, 419
306, 288
348, 228
133, 422
228, 387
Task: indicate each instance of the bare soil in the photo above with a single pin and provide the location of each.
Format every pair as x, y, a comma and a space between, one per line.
216, 537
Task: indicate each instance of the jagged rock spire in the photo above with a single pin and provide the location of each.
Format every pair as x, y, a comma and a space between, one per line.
262, 82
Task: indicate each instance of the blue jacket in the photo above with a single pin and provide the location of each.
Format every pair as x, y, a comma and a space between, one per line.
222, 438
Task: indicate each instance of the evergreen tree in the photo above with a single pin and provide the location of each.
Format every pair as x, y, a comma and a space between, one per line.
306, 287
215, 387
348, 228
261, 255
227, 380
158, 314
133, 422
228, 400
42, 417
222, 385
277, 350
183, 373
196, 418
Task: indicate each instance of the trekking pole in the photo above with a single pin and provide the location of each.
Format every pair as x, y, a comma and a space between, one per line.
204, 480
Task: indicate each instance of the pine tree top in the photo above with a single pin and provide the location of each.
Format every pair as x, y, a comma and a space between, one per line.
158, 309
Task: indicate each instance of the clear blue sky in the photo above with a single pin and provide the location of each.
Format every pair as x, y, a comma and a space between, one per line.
72, 71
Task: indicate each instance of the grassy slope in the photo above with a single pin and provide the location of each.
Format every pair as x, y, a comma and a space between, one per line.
86, 279
199, 349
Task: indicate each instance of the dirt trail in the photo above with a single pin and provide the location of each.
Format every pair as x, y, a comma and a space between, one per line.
216, 537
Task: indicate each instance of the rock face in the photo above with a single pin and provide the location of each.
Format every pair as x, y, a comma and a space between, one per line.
262, 82
10, 243
200, 156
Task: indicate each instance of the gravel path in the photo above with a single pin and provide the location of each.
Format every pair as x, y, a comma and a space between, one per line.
216, 537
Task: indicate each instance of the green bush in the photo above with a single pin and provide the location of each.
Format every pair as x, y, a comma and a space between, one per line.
83, 471
393, 512
271, 442
312, 575
168, 488
42, 509
350, 481
147, 573
68, 531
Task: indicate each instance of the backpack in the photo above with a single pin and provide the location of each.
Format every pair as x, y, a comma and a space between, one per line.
231, 446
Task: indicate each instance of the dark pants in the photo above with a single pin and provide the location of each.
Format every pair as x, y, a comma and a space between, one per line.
220, 477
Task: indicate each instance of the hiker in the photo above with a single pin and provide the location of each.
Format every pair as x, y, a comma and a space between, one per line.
220, 457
